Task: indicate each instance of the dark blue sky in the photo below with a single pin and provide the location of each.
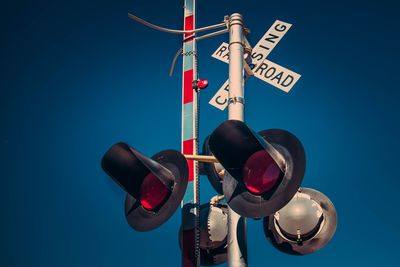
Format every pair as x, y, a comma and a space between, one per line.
78, 76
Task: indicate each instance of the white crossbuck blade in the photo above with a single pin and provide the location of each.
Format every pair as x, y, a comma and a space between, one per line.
262, 68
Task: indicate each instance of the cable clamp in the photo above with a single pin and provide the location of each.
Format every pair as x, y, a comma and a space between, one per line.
236, 99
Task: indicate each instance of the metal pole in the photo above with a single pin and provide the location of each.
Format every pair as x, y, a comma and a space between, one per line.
237, 245
190, 105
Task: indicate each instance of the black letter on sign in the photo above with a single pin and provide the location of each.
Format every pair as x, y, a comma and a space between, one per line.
278, 77
220, 51
226, 87
268, 71
266, 48
220, 103
283, 28
226, 56
255, 56
262, 67
290, 81
271, 38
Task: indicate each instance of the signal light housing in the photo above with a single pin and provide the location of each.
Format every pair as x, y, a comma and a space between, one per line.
200, 84
213, 234
155, 185
306, 224
282, 156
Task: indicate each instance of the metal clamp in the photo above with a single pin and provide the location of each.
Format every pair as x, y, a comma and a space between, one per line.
236, 99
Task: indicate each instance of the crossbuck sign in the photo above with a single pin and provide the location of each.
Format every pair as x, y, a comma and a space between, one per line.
262, 68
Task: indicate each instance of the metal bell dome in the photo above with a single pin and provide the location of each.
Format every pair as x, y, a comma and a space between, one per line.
300, 218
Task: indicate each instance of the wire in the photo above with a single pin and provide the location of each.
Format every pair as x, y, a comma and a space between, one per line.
171, 70
148, 24
205, 36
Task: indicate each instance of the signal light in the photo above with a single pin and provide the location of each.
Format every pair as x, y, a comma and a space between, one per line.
263, 171
306, 224
213, 234
152, 192
200, 84
155, 185
260, 172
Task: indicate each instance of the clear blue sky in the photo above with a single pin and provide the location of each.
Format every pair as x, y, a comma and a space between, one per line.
78, 76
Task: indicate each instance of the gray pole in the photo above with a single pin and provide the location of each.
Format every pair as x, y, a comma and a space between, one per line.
237, 245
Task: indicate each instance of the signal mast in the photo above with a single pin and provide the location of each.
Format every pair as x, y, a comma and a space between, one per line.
258, 174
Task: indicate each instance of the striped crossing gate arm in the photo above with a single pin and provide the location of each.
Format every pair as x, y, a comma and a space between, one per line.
190, 202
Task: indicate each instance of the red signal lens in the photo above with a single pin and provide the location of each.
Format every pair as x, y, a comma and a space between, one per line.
152, 192
260, 172
202, 83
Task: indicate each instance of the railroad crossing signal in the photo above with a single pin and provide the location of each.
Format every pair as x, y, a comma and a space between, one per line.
262, 68
258, 173
263, 171
155, 186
